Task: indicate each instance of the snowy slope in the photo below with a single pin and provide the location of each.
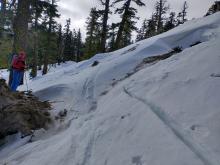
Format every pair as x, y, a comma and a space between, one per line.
165, 114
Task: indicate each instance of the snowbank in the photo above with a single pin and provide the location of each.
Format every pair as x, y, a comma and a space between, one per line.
166, 113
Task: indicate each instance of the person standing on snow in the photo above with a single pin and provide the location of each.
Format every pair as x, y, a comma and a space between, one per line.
18, 66
10, 63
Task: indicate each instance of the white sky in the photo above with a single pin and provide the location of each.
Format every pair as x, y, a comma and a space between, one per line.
78, 10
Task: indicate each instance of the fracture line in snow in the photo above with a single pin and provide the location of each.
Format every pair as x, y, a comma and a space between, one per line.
198, 149
88, 151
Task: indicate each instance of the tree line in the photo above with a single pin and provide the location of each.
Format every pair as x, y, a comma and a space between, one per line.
32, 27
102, 36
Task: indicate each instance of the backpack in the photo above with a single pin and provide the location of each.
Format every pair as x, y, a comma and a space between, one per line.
18, 63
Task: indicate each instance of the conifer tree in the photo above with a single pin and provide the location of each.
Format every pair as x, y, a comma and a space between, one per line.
151, 27
127, 24
182, 15
2, 14
37, 8
60, 44
161, 8
21, 25
52, 13
184, 12
214, 8
171, 22
74, 44
67, 41
142, 31
78, 45
112, 36
93, 33
104, 30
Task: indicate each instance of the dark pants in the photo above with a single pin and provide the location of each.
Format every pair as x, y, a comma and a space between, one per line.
17, 75
10, 77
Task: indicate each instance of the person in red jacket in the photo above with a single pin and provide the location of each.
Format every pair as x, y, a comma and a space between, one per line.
18, 66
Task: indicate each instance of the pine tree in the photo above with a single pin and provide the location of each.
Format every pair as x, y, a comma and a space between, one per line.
127, 24
127, 33
52, 13
185, 7
214, 8
67, 41
60, 44
37, 10
2, 14
78, 45
104, 30
151, 27
171, 22
74, 44
112, 36
142, 31
181, 17
161, 8
21, 25
93, 33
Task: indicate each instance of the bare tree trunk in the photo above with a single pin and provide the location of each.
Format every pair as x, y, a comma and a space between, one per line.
160, 24
2, 13
21, 25
185, 7
46, 60
34, 68
104, 27
35, 56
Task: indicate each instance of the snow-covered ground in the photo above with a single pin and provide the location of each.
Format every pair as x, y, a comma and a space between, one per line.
165, 114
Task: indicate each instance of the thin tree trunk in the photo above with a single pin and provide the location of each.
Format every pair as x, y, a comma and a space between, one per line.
159, 24
2, 13
104, 27
121, 27
46, 60
34, 68
21, 25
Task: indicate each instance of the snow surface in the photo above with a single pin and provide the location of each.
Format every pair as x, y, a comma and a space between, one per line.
165, 114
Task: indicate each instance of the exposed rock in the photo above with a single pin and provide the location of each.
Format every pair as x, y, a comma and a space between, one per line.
154, 59
196, 43
95, 63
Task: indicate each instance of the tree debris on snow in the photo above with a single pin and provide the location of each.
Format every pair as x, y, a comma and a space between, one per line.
20, 112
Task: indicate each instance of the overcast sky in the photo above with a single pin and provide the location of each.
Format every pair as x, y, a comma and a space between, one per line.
78, 10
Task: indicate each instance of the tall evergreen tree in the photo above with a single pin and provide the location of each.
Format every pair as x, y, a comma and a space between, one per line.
105, 14
52, 13
93, 33
60, 44
79, 45
182, 15
142, 31
214, 8
67, 41
127, 34
74, 44
171, 22
37, 7
112, 36
161, 8
2, 14
21, 25
151, 27
127, 24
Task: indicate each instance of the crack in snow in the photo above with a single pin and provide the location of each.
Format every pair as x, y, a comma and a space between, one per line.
202, 152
